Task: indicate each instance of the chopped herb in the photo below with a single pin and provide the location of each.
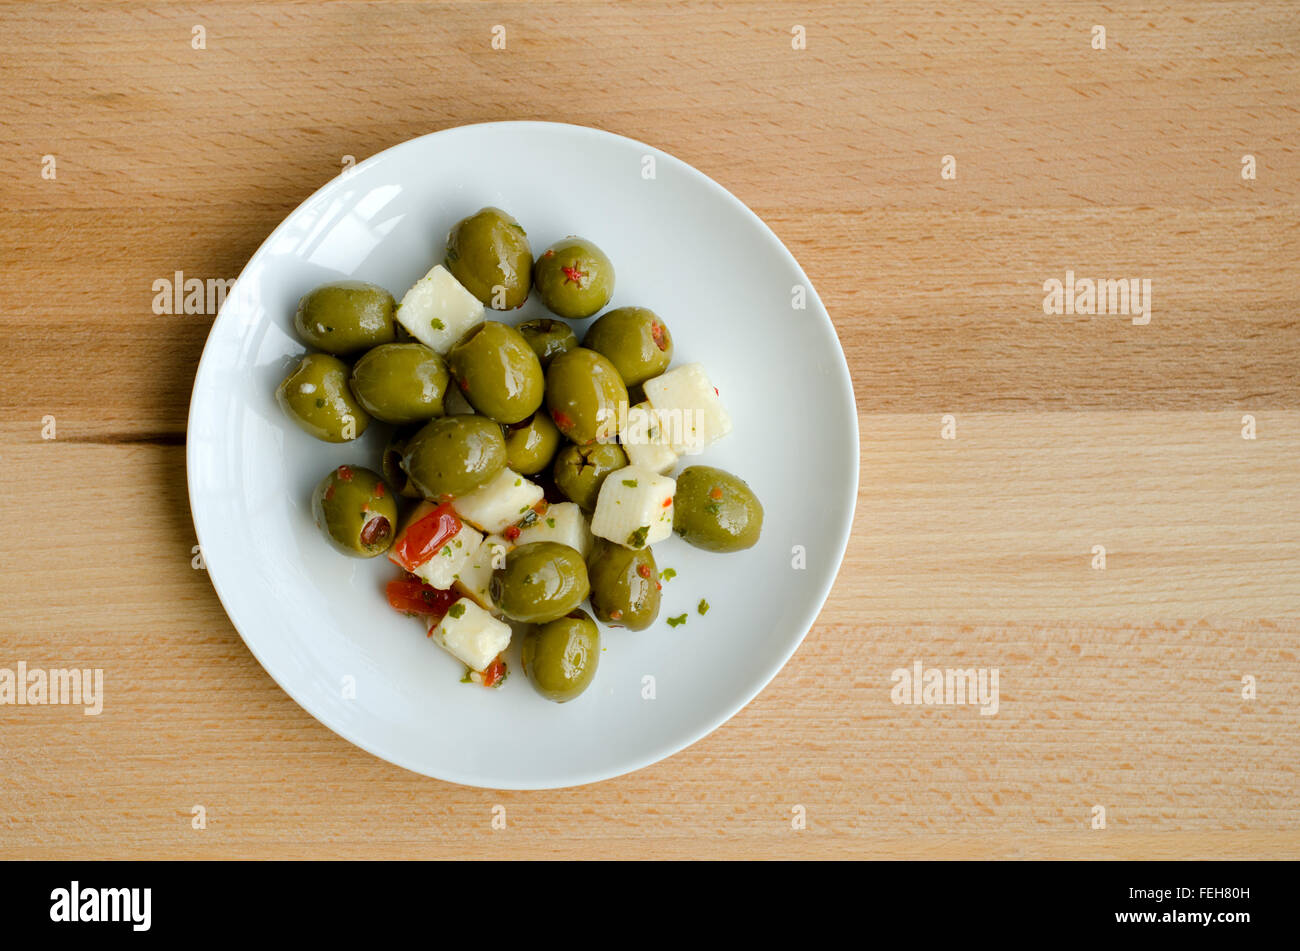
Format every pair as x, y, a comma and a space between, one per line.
467, 679
668, 574
446, 551
550, 523
704, 606
712, 508
438, 324
519, 482
637, 539
630, 483
674, 621
456, 610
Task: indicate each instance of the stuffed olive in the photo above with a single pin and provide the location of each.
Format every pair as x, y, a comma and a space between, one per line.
561, 656
454, 455
488, 253
532, 444
574, 278
400, 382
540, 582
716, 510
316, 396
356, 511
580, 471
548, 337
624, 585
635, 340
498, 372
583, 394
345, 317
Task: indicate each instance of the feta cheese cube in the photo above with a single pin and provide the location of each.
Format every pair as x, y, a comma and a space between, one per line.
562, 522
471, 635
690, 412
441, 570
476, 576
500, 503
644, 439
437, 310
455, 404
634, 507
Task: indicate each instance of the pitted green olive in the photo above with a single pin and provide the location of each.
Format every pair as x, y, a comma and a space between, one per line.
356, 511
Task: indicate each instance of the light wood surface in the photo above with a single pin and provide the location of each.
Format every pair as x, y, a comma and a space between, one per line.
1120, 687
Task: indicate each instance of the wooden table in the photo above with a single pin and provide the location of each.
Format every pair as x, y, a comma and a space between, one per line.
1120, 688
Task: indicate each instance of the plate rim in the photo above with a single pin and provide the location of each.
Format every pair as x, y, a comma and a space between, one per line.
749, 692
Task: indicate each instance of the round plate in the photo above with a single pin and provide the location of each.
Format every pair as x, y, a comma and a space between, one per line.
730, 293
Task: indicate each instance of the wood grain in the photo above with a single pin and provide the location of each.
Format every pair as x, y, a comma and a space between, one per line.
1120, 687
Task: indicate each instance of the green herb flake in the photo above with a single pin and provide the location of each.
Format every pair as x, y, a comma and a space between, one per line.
550, 523
438, 324
637, 539
674, 621
457, 610
704, 607
519, 482
466, 679
630, 483
668, 574
712, 508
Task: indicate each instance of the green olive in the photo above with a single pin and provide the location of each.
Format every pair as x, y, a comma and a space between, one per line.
531, 445
574, 278
390, 463
541, 581
488, 253
716, 510
345, 317
356, 511
583, 394
624, 585
498, 372
548, 337
454, 455
635, 340
315, 395
400, 382
580, 471
561, 656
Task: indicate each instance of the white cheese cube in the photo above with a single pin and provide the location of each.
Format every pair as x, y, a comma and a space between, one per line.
437, 310
689, 410
634, 507
476, 576
455, 404
562, 522
644, 439
500, 503
471, 635
441, 570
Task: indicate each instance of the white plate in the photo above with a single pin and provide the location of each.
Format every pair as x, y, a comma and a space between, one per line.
724, 284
